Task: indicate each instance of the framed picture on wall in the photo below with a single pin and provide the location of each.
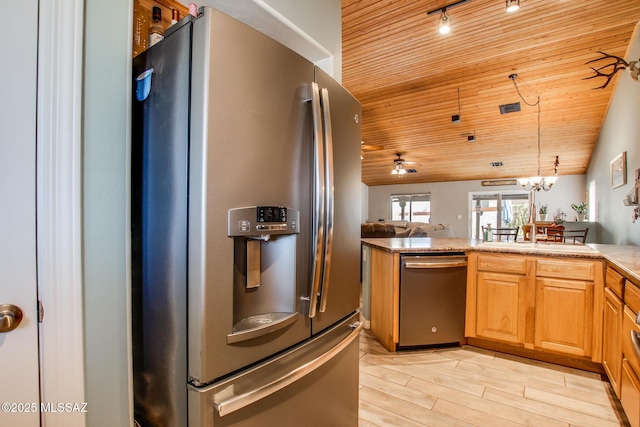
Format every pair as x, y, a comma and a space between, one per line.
618, 170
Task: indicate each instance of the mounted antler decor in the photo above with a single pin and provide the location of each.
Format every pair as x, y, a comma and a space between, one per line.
610, 70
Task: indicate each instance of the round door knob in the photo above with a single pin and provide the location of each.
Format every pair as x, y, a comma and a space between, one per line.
10, 317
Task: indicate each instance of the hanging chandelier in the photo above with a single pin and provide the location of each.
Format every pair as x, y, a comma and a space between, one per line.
538, 182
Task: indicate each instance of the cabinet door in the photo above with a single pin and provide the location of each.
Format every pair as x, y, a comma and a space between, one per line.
501, 307
612, 339
564, 316
630, 394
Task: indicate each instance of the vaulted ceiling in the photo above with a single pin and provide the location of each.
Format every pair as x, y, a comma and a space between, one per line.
407, 77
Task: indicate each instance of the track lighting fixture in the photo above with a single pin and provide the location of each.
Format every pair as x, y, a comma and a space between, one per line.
444, 24
512, 5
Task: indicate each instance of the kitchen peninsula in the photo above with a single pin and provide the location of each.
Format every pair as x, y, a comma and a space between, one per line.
572, 305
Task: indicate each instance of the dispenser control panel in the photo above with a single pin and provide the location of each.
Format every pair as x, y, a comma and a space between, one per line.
263, 220
271, 214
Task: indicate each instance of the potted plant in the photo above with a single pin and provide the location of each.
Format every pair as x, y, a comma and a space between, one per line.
558, 216
581, 211
542, 213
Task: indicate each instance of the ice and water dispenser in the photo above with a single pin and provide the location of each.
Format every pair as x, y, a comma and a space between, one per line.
264, 277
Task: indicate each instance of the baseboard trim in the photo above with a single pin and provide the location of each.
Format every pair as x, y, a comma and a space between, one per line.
582, 363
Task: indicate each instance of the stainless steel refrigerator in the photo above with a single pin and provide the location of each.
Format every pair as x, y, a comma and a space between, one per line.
245, 233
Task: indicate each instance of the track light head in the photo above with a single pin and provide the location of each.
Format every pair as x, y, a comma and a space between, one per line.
444, 25
512, 5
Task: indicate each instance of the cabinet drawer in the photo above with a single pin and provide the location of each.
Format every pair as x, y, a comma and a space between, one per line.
632, 296
629, 325
502, 264
615, 282
566, 269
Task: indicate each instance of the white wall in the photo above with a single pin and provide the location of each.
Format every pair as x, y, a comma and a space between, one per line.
450, 199
313, 28
620, 132
364, 202
322, 21
105, 211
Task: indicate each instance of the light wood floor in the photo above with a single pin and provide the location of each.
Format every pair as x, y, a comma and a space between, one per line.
468, 386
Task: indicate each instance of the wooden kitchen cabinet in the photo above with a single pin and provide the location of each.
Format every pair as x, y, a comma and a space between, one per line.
499, 297
630, 394
384, 291
565, 305
612, 328
564, 316
540, 304
629, 382
501, 306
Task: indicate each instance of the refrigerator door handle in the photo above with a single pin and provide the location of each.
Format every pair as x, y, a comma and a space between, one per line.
329, 195
237, 402
318, 235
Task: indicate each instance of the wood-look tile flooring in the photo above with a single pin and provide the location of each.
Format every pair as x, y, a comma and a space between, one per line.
468, 386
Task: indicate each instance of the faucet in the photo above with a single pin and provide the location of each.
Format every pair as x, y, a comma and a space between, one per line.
533, 232
532, 218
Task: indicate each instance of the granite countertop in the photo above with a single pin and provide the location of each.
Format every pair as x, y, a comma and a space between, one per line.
626, 258
421, 244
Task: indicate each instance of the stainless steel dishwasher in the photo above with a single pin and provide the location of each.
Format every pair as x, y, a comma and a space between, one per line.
432, 299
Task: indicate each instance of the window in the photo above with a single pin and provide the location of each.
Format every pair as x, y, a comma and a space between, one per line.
411, 207
499, 210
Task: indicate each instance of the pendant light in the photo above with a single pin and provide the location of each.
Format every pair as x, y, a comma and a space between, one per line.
538, 182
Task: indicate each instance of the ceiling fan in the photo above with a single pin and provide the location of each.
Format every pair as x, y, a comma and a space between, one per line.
399, 164
368, 147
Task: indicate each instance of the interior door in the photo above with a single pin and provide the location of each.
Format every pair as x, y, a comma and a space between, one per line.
19, 398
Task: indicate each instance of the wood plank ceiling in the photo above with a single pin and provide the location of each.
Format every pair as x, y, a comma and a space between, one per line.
407, 77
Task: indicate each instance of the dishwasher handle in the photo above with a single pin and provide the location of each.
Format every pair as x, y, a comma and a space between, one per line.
435, 263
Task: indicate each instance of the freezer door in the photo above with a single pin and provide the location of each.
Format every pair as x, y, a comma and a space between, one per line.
340, 292
314, 384
250, 146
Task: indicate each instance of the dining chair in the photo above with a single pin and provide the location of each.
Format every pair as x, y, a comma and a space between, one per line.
503, 234
554, 233
575, 236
